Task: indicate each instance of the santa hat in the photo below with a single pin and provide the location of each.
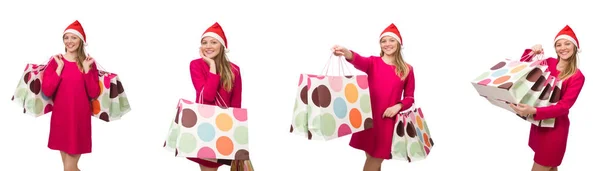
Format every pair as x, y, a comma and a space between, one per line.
392, 31
215, 31
567, 33
76, 29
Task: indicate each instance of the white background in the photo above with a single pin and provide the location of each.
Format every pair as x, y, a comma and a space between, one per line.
150, 45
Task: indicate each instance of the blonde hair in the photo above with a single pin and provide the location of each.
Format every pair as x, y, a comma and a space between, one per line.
402, 68
571, 67
224, 70
80, 54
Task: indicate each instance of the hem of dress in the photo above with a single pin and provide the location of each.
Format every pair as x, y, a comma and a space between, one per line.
70, 152
370, 154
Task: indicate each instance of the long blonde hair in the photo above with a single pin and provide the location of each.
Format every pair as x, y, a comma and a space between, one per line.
571, 67
80, 54
224, 70
401, 66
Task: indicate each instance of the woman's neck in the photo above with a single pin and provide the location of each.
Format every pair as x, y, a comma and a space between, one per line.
70, 56
562, 64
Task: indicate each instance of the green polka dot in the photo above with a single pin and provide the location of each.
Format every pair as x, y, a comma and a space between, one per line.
426, 129
520, 89
34, 105
416, 149
400, 148
308, 111
172, 140
365, 103
301, 120
548, 121
483, 76
529, 99
115, 110
21, 93
123, 103
327, 125
104, 100
187, 143
241, 135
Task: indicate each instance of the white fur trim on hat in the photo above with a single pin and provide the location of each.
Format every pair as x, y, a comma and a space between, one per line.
569, 38
393, 35
216, 36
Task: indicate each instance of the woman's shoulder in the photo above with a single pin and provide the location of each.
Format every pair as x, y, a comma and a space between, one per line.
235, 68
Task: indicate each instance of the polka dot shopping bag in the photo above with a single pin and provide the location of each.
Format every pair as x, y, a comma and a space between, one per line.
112, 103
411, 140
29, 91
327, 107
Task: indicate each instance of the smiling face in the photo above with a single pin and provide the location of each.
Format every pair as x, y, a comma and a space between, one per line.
389, 45
210, 47
564, 48
72, 42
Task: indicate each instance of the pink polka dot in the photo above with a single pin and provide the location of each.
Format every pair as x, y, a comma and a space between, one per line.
308, 83
485, 82
420, 112
320, 77
344, 129
240, 114
186, 101
536, 63
513, 63
412, 116
362, 81
26, 67
206, 111
106, 82
34, 66
48, 108
426, 149
206, 153
301, 77
336, 83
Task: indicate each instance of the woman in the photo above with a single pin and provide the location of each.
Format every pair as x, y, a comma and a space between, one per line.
215, 79
549, 144
392, 84
71, 80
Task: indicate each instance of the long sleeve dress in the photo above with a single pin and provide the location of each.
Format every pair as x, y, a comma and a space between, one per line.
71, 119
550, 144
209, 84
386, 89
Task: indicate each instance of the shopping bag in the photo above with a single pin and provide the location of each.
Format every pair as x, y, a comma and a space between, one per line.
411, 140
550, 95
112, 103
510, 80
29, 93
208, 132
329, 107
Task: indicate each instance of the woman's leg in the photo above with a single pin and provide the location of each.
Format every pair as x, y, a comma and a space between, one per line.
204, 168
373, 164
554, 169
538, 167
63, 155
368, 158
71, 161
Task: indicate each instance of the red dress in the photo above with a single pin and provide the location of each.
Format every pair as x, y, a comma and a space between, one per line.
549, 144
386, 90
209, 84
71, 119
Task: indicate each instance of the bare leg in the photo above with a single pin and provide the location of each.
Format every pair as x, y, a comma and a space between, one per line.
63, 155
554, 169
538, 167
373, 164
71, 162
368, 158
204, 168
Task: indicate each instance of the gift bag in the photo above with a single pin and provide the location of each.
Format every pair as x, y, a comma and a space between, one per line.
411, 140
29, 93
209, 132
328, 107
550, 95
112, 103
510, 80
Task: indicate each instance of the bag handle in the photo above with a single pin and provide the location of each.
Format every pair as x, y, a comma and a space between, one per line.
341, 68
222, 102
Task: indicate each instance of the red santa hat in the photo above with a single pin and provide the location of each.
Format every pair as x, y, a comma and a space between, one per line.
392, 31
76, 29
215, 31
567, 33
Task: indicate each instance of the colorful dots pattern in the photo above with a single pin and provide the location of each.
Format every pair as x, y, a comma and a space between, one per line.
548, 95
222, 134
112, 103
327, 107
412, 140
28, 93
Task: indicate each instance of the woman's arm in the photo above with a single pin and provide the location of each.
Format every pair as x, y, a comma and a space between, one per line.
360, 62
92, 82
409, 91
51, 78
207, 84
236, 96
573, 88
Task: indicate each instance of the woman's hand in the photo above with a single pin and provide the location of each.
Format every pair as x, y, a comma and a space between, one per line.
87, 64
537, 49
523, 110
392, 111
341, 51
59, 63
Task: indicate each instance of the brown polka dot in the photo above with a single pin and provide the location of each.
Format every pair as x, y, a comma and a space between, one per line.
349, 76
534, 74
12, 98
545, 93
368, 123
177, 115
431, 141
304, 95
35, 86
104, 116
188, 118
408, 158
120, 87
24, 110
390, 156
321, 96
176, 152
165, 144
539, 84
410, 130
224, 161
400, 129
555, 95
498, 66
506, 86
242, 155
309, 135
291, 128
26, 77
114, 91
